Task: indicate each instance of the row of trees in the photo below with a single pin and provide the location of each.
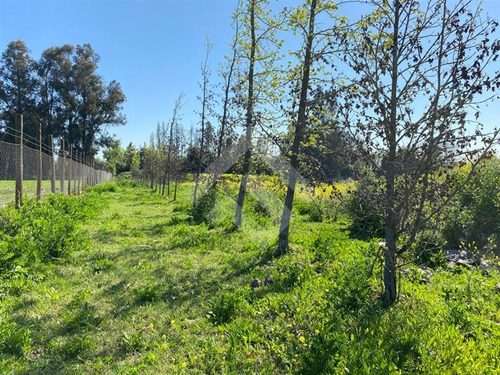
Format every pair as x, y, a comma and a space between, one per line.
63, 91
393, 98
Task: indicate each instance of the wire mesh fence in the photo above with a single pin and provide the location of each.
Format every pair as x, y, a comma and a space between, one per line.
35, 172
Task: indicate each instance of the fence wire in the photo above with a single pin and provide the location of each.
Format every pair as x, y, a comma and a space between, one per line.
58, 174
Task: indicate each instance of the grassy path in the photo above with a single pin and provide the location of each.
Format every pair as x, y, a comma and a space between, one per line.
155, 293
138, 298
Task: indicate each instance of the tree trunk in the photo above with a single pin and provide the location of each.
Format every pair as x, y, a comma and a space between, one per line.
249, 123
391, 236
297, 139
203, 109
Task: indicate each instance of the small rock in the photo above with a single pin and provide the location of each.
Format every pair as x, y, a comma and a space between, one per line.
269, 280
498, 287
463, 254
464, 262
256, 283
451, 265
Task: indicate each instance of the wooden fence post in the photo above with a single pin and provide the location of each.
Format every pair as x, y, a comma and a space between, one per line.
39, 163
70, 169
19, 161
78, 172
52, 166
75, 171
84, 172
63, 161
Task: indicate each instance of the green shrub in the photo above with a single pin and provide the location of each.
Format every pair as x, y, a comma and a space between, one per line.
105, 187
41, 231
474, 216
260, 208
364, 207
204, 207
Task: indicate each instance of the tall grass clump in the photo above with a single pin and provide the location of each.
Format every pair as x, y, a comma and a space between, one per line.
42, 231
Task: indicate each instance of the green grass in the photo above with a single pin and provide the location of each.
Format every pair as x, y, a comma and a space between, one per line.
157, 294
7, 189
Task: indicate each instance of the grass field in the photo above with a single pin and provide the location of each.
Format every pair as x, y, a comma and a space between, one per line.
154, 293
7, 189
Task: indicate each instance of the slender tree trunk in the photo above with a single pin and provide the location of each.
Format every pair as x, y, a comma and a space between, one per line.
249, 123
163, 183
225, 108
203, 110
175, 187
390, 287
297, 139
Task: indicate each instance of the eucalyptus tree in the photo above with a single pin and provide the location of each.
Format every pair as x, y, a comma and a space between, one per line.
98, 105
52, 68
418, 73
260, 49
312, 55
18, 85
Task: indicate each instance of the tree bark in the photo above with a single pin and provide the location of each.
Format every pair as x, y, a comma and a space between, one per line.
390, 287
249, 123
297, 139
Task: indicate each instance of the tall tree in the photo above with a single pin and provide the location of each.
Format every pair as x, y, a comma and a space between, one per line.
418, 73
227, 76
259, 47
19, 86
205, 98
52, 67
173, 139
302, 21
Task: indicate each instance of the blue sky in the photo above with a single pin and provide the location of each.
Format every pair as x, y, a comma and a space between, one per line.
153, 48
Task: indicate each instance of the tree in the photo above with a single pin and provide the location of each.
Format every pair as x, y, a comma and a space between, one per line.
227, 120
19, 87
416, 74
302, 21
52, 67
172, 140
205, 98
260, 48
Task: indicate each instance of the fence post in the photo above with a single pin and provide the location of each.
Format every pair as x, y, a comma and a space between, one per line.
70, 169
77, 177
19, 161
63, 161
75, 171
39, 163
84, 171
52, 166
